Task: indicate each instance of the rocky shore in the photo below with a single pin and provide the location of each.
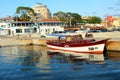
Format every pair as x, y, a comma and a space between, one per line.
113, 44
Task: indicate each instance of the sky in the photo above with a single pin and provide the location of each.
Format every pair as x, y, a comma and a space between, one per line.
101, 8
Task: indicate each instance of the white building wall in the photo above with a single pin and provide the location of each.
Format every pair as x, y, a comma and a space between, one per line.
49, 29
4, 28
13, 30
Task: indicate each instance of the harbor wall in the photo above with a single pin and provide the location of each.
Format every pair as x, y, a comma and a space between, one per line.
110, 45
113, 35
113, 44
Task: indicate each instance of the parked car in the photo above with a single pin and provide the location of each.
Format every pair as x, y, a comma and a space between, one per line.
56, 32
68, 31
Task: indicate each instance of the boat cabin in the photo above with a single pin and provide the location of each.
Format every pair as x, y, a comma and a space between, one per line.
74, 39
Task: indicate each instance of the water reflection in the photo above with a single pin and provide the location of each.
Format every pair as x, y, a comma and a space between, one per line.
25, 55
31, 59
35, 55
113, 55
63, 57
39, 56
36, 63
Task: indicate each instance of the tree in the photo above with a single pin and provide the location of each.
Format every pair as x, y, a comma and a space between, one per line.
60, 15
95, 20
70, 19
26, 10
16, 18
24, 17
26, 13
76, 18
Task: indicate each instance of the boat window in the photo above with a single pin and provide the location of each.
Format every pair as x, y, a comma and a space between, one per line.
77, 42
91, 40
73, 42
88, 35
68, 39
80, 41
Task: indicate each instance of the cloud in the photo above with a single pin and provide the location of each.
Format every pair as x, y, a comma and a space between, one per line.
118, 3
117, 9
110, 8
105, 15
113, 10
116, 14
93, 12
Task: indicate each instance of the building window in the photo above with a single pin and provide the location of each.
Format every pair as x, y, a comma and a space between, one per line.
3, 26
38, 11
27, 30
53, 29
18, 30
46, 30
8, 25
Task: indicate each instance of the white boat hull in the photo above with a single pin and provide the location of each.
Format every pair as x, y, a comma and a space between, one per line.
98, 48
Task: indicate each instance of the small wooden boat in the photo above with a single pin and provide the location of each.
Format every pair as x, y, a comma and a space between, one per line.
77, 44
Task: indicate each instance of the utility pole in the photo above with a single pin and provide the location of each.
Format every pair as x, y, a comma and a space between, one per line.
70, 21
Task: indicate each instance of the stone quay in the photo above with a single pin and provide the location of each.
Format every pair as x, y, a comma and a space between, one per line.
112, 45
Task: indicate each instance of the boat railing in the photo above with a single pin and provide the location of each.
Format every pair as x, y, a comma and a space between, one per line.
74, 39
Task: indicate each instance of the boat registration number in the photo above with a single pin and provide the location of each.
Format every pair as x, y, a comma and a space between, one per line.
92, 48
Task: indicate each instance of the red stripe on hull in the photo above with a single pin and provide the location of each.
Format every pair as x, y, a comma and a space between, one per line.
77, 44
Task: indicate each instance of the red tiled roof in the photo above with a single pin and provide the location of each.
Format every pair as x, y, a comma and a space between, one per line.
6, 18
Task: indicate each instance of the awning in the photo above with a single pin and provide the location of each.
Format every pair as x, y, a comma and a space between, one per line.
1, 29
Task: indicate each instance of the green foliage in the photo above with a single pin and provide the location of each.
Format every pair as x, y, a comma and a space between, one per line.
94, 20
60, 15
16, 18
24, 17
25, 12
68, 17
76, 18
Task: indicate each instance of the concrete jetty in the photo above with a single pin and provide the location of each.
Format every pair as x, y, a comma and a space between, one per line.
113, 44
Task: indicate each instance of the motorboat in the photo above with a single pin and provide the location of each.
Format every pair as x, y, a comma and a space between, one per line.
75, 43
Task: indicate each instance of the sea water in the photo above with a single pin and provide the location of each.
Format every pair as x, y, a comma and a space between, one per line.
35, 63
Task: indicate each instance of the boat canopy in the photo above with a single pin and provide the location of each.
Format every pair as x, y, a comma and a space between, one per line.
61, 35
